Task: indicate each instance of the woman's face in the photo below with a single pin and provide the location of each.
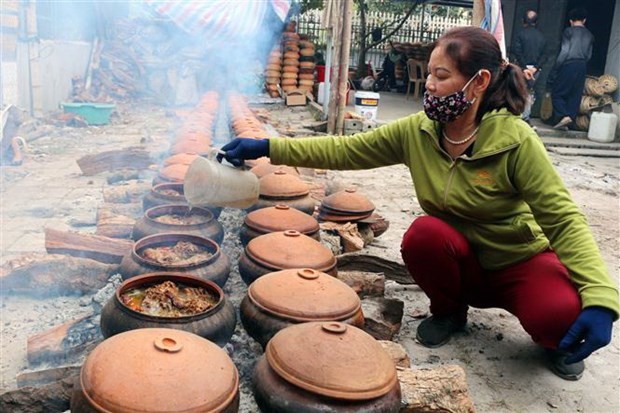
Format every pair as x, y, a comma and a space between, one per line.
443, 78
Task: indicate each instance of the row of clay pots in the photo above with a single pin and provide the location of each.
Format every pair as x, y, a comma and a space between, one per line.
243, 122
306, 368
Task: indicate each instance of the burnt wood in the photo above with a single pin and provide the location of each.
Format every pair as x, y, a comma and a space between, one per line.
392, 270
134, 158
99, 248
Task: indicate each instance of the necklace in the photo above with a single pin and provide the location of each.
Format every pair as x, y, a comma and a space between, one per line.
462, 141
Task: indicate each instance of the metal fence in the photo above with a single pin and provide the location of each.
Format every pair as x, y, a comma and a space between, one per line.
421, 27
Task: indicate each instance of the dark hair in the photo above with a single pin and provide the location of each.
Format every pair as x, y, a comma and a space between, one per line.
473, 49
578, 14
530, 17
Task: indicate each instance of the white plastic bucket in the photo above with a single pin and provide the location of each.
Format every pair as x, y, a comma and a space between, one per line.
602, 127
366, 104
209, 183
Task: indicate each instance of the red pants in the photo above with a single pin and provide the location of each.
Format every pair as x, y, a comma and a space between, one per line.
537, 291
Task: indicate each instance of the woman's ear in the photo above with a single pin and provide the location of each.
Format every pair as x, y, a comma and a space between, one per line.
481, 82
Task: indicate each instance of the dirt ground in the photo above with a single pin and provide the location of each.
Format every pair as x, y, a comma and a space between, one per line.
505, 370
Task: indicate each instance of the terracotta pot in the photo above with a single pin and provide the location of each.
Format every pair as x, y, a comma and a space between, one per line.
157, 370
325, 366
265, 168
305, 203
216, 268
278, 218
216, 324
148, 224
284, 250
188, 146
180, 158
348, 202
171, 173
281, 185
163, 194
283, 298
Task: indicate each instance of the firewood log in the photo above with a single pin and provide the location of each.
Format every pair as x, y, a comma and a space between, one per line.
99, 248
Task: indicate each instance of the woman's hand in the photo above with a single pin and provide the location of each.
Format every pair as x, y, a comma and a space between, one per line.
591, 331
240, 149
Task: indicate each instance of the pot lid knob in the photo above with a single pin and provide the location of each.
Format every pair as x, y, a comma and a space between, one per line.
334, 327
351, 189
282, 207
291, 233
280, 172
308, 274
167, 345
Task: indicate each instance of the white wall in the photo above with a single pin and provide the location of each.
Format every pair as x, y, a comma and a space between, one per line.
53, 65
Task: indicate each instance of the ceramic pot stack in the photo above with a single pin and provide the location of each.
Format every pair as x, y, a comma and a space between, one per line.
278, 251
348, 205
283, 298
273, 72
318, 367
148, 370
282, 188
307, 65
244, 123
290, 61
275, 219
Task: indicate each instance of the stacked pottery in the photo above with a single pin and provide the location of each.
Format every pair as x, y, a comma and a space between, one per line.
345, 206
290, 62
284, 250
283, 298
203, 257
170, 193
281, 188
325, 367
306, 74
273, 72
216, 323
243, 121
179, 219
157, 370
277, 218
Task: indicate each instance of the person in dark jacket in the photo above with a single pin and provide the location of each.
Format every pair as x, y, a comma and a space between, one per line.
570, 69
529, 52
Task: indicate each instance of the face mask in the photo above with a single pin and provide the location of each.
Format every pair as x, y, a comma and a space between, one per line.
445, 109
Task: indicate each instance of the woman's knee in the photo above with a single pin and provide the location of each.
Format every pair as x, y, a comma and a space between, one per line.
430, 235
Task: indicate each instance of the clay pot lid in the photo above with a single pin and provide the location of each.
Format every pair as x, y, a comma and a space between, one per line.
304, 294
280, 184
290, 249
265, 168
332, 359
180, 158
156, 370
281, 218
349, 201
174, 172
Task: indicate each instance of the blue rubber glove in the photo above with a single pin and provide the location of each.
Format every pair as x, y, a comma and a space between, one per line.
240, 149
591, 331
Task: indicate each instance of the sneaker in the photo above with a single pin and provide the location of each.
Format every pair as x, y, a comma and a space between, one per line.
435, 331
555, 361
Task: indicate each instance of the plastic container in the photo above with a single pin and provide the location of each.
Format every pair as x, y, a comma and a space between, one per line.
92, 113
366, 104
602, 127
209, 183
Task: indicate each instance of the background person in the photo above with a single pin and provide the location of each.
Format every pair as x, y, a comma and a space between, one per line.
501, 228
529, 52
569, 73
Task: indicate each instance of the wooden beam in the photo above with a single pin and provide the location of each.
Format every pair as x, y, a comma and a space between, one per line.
134, 158
96, 247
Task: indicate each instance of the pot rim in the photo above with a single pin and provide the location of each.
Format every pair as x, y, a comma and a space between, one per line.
178, 186
154, 277
164, 236
171, 208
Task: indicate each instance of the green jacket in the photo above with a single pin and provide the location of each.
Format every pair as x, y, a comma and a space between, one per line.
507, 199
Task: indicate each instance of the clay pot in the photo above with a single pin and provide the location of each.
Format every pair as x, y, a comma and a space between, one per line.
157, 370
277, 218
325, 366
283, 250
349, 202
216, 268
180, 158
283, 298
191, 146
171, 173
283, 188
148, 225
265, 168
170, 193
216, 324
